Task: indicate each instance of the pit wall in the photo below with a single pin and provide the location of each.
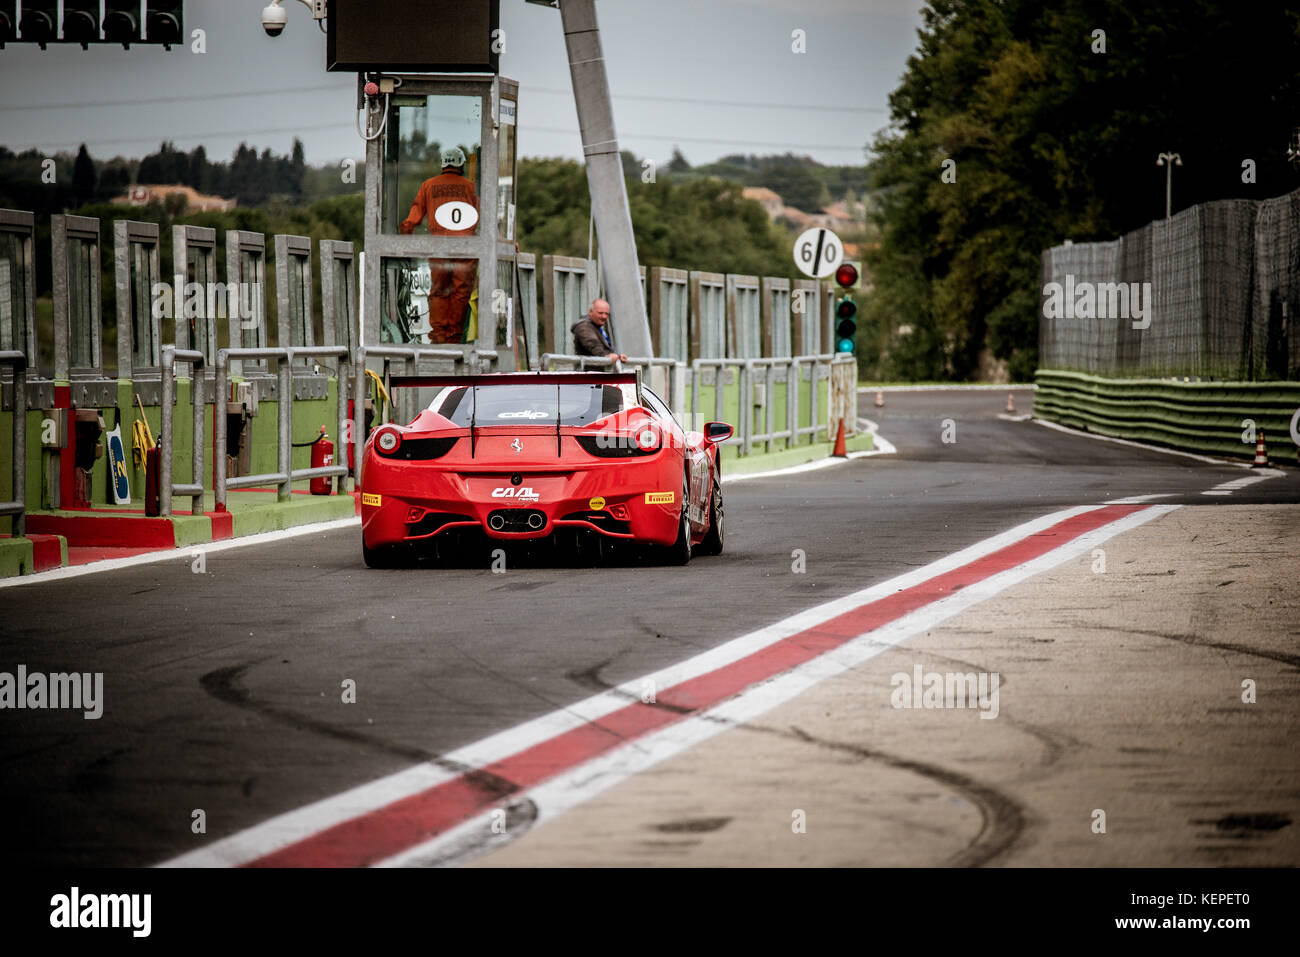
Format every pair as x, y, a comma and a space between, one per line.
308, 416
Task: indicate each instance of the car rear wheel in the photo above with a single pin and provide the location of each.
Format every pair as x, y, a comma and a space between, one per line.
713, 539
679, 552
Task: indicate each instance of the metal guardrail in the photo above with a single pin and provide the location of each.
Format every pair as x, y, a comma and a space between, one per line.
170, 356
675, 381
748, 371
285, 474
388, 354
18, 507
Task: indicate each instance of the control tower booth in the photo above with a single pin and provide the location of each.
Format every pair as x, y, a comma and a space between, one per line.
440, 269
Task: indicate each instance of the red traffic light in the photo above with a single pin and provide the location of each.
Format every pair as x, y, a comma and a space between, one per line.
846, 275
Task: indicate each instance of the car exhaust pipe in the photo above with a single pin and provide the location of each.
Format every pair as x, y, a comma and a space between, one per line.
496, 523
536, 520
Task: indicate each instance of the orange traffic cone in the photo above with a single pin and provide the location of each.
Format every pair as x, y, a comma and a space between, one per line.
1261, 453
840, 450
880, 399
1011, 402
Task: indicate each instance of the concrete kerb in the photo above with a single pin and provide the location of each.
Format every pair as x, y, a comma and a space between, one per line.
784, 458
248, 516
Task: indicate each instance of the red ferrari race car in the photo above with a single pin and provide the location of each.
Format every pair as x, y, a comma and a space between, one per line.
520, 456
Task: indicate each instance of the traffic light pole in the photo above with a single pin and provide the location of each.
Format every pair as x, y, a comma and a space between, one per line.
609, 203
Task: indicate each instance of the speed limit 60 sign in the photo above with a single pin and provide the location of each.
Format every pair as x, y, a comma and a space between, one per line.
818, 252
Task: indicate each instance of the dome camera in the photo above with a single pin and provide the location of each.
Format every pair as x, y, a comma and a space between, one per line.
274, 19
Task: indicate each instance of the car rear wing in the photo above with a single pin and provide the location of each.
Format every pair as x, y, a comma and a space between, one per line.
556, 379
520, 378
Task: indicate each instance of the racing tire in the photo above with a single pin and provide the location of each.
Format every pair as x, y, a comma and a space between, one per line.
713, 538
679, 552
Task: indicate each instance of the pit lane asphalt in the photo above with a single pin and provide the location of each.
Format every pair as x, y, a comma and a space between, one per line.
223, 690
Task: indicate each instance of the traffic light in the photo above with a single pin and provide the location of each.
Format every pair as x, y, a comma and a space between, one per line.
122, 21
164, 21
38, 21
846, 310
81, 22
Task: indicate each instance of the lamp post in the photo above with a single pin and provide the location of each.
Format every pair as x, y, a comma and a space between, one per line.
1169, 161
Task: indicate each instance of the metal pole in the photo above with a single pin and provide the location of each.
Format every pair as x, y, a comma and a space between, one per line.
285, 449
359, 415
793, 382
1169, 186
219, 431
165, 432
813, 368
340, 447
196, 400
18, 505
20, 448
609, 204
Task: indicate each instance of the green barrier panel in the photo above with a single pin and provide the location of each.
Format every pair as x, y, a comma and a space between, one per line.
1196, 416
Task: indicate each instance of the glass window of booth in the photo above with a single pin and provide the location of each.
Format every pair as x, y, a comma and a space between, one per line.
432, 154
506, 172
428, 301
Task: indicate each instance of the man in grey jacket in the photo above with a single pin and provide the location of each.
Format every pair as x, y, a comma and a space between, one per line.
591, 338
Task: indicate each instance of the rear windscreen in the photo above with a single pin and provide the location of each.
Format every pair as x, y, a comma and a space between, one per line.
531, 404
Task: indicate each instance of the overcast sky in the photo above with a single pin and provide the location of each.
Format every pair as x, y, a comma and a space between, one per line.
712, 76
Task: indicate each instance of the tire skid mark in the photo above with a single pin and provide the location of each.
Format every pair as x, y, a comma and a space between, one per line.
1003, 819
1195, 642
224, 685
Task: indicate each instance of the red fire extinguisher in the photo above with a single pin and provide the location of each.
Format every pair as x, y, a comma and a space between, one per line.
322, 456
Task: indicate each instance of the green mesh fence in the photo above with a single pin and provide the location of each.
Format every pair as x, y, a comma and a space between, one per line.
1211, 292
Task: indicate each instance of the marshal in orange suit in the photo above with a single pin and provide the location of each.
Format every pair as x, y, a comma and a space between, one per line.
451, 280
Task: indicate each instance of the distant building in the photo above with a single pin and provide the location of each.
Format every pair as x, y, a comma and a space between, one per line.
836, 216
195, 202
770, 201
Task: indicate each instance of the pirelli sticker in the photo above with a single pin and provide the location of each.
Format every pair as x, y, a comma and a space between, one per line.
368, 499
660, 498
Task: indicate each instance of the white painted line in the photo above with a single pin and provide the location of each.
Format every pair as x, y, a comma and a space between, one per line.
1137, 499
815, 466
1138, 445
1227, 488
566, 791
883, 445
1008, 417
177, 554
288, 828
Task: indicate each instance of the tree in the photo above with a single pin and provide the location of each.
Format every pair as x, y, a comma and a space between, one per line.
1045, 139
200, 170
678, 163
83, 176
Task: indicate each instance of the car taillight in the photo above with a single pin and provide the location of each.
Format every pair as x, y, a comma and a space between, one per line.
608, 445
388, 440
648, 439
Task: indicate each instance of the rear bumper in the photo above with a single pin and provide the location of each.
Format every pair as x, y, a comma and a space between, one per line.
415, 502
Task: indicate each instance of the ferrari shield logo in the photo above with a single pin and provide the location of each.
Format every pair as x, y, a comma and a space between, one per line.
516, 446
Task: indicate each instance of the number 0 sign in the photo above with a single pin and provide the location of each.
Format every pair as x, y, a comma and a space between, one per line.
818, 252
456, 215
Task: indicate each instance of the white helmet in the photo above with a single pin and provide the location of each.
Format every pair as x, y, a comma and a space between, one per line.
453, 156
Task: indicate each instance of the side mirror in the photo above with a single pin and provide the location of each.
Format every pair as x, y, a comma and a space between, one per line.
717, 432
